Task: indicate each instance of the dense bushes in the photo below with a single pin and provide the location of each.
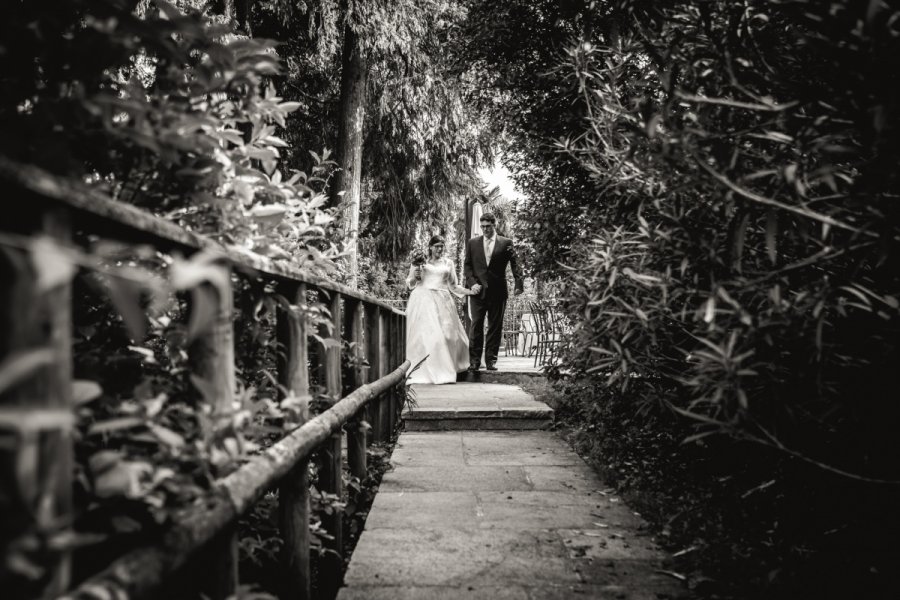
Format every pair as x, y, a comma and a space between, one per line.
738, 288
168, 109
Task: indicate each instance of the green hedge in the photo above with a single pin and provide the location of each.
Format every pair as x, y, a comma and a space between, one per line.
735, 293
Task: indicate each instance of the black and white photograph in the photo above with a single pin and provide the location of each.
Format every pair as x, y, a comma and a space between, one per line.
450, 300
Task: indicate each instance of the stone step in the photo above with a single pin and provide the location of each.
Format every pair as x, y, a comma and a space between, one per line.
504, 376
475, 406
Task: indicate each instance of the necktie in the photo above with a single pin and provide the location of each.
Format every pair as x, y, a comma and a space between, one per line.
489, 250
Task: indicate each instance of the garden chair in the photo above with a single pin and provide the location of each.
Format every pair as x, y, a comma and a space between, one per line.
529, 333
512, 327
548, 337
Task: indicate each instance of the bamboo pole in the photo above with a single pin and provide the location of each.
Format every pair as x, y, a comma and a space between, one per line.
356, 432
384, 404
373, 356
293, 493
212, 360
139, 574
330, 479
393, 360
37, 472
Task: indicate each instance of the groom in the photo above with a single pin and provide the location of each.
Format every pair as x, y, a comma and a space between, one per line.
485, 273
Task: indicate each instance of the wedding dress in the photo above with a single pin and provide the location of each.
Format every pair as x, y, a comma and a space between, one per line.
433, 328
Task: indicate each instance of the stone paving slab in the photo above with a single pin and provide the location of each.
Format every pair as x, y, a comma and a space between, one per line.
462, 478
433, 593
437, 509
469, 406
533, 523
481, 422
495, 448
458, 557
515, 364
548, 591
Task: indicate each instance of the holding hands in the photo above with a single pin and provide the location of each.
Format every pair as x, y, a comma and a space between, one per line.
476, 289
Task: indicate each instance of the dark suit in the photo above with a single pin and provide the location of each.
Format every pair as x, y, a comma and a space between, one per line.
492, 298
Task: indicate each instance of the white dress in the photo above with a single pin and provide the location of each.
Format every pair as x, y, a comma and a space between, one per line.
433, 328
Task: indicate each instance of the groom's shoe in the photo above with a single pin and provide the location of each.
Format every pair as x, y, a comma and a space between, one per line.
473, 367
491, 367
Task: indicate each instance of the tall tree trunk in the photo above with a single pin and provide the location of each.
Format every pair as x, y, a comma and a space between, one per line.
354, 72
238, 12
242, 16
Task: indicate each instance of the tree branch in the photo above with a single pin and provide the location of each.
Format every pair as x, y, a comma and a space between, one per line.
803, 212
736, 103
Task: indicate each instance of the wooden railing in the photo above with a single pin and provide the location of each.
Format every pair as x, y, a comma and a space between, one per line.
202, 536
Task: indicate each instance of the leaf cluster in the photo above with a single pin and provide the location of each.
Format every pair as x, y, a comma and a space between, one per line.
734, 237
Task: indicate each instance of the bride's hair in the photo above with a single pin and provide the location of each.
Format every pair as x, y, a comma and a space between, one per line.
435, 239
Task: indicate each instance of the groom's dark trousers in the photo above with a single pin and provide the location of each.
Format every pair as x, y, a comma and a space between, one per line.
491, 301
494, 309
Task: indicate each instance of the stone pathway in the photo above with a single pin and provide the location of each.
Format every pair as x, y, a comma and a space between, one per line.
499, 515
474, 406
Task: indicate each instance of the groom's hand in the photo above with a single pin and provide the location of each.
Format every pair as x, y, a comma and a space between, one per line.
476, 288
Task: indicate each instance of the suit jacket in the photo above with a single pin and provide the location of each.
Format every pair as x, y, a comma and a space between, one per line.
491, 277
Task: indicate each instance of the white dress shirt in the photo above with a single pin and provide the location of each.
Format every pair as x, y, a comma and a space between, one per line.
489, 248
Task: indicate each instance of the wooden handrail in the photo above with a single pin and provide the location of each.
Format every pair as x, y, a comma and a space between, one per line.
138, 574
206, 530
121, 220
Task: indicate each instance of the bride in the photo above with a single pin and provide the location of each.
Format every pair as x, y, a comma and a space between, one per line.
433, 328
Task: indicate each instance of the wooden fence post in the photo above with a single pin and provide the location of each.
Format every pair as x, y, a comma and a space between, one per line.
401, 324
293, 492
36, 472
391, 366
212, 360
330, 454
398, 358
356, 434
384, 403
373, 355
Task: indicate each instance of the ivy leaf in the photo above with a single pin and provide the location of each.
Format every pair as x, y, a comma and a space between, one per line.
173, 440
167, 10
147, 353
53, 264
113, 425
125, 295
85, 391
289, 106
153, 406
200, 268
771, 233
114, 476
18, 366
269, 214
709, 310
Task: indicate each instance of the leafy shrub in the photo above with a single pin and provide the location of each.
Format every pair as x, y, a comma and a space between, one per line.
740, 269
167, 109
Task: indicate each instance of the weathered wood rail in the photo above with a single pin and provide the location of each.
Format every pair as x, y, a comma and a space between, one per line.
202, 535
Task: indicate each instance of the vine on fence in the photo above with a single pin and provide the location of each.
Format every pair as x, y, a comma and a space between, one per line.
173, 112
